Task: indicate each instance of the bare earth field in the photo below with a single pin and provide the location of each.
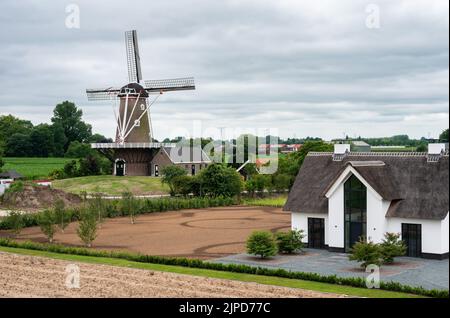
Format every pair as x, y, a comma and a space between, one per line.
30, 276
205, 234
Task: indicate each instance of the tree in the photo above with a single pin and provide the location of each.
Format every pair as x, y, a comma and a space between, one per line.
169, 173
2, 163
261, 243
219, 180
422, 147
69, 117
79, 150
443, 137
46, 221
61, 215
59, 140
367, 253
391, 247
290, 242
70, 169
19, 145
129, 206
10, 125
87, 227
282, 182
97, 205
15, 222
98, 138
41, 139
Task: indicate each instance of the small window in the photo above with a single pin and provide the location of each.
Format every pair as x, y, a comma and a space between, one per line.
142, 106
137, 123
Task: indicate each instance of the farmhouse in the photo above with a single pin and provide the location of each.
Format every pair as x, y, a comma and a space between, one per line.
342, 196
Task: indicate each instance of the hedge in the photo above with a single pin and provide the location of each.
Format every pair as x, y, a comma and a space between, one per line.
144, 206
244, 269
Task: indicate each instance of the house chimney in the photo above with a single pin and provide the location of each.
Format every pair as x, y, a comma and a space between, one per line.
340, 151
435, 151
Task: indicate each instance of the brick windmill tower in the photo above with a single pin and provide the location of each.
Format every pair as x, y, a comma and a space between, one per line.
134, 146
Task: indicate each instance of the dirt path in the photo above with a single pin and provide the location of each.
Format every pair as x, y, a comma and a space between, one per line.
204, 233
30, 276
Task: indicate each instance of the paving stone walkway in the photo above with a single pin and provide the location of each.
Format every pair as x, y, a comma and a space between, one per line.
430, 274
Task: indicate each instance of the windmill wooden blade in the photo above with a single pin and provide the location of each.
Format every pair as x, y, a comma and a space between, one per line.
133, 59
167, 85
102, 94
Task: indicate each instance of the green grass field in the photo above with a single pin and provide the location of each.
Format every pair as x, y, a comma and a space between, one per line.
112, 185
267, 280
35, 168
277, 202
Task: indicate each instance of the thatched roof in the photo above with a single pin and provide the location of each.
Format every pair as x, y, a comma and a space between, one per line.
416, 188
10, 174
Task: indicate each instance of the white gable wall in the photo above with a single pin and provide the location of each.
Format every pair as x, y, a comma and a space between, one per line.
336, 217
300, 222
432, 233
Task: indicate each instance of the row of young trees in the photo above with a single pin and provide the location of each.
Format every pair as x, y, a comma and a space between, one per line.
20, 138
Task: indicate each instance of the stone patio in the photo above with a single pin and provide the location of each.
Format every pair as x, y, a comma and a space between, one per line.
430, 274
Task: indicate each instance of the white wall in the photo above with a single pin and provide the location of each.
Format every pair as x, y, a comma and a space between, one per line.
432, 233
376, 217
299, 221
336, 218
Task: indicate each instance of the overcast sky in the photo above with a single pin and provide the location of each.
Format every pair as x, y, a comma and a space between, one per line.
307, 68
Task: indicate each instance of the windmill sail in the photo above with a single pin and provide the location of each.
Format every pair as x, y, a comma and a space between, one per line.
167, 85
133, 59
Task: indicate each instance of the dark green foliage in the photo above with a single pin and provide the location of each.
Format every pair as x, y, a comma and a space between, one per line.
245, 269
69, 117
443, 137
290, 242
46, 221
218, 180
282, 182
391, 247
184, 185
261, 243
89, 166
2, 163
366, 252
79, 150
169, 173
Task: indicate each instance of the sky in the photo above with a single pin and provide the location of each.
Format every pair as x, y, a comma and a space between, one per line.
322, 68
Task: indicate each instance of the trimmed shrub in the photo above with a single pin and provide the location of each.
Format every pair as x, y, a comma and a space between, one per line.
290, 242
391, 247
366, 252
261, 243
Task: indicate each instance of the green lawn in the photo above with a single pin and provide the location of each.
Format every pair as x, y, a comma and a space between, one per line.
277, 281
112, 185
35, 168
277, 201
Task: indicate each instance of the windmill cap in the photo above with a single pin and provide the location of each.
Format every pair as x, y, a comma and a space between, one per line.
133, 89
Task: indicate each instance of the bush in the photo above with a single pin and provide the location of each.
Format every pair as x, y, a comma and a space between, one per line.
391, 247
217, 180
46, 222
281, 182
87, 228
169, 173
261, 243
15, 221
366, 253
183, 185
290, 242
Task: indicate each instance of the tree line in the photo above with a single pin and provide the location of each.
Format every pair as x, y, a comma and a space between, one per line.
66, 132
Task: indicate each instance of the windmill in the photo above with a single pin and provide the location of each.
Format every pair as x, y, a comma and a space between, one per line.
134, 145
133, 114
